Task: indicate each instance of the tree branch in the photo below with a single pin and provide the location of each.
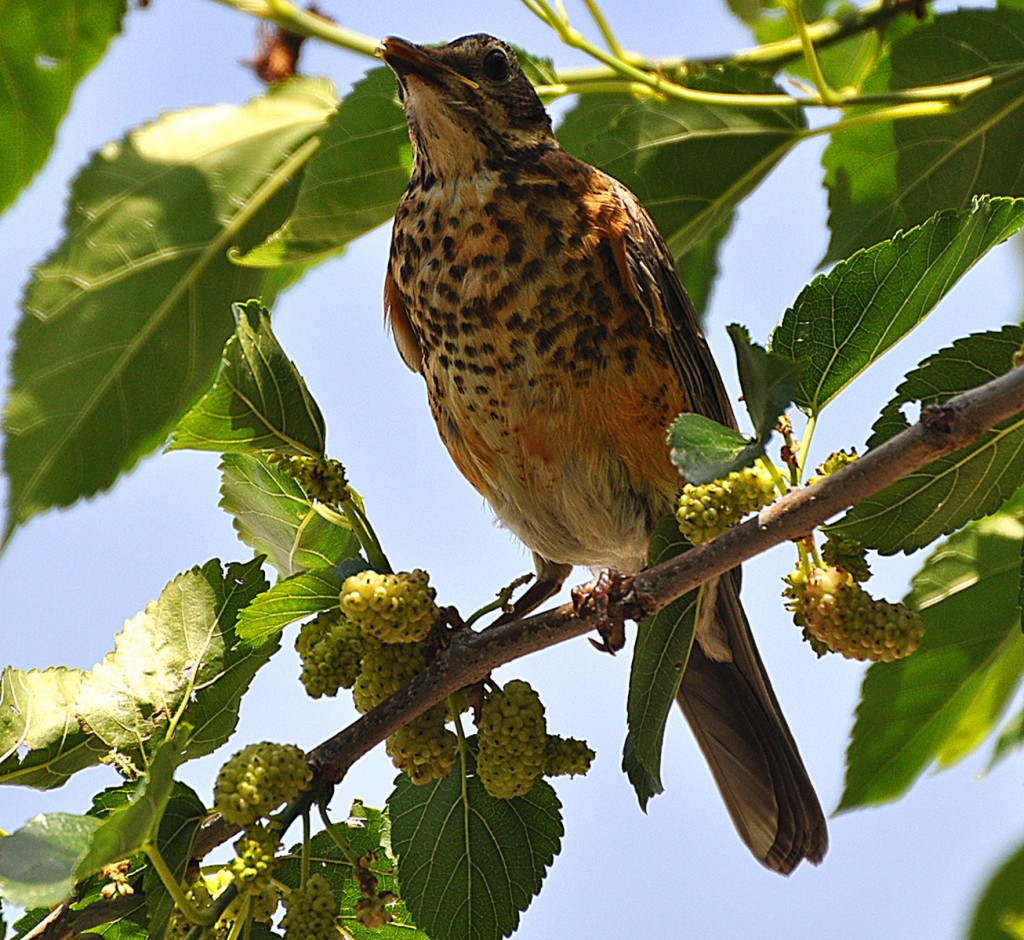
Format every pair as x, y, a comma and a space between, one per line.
941, 430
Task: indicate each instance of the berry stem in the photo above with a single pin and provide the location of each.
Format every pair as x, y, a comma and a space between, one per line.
825, 92
202, 917
504, 596
334, 831
780, 482
805, 446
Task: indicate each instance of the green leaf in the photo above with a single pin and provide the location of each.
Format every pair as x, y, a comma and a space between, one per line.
125, 321
963, 485
846, 319
354, 180
40, 716
886, 176
366, 832
659, 658
258, 402
33, 917
178, 658
769, 381
688, 163
1011, 739
275, 517
46, 49
940, 703
301, 595
37, 861
126, 830
468, 863
1000, 911
705, 450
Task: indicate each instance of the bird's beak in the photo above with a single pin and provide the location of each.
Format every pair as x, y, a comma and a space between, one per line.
405, 58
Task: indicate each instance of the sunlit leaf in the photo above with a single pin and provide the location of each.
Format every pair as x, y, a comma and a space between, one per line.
125, 321
846, 319
354, 181
275, 517
294, 598
886, 176
37, 861
259, 401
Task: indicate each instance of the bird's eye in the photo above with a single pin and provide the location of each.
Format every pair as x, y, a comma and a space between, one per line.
496, 66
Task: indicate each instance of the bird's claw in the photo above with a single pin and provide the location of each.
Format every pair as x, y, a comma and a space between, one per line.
594, 598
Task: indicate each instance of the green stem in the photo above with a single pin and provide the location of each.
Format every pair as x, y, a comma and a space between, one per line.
333, 831
610, 39
823, 33
805, 446
296, 20
203, 917
242, 919
367, 537
898, 113
796, 17
353, 518
504, 596
780, 482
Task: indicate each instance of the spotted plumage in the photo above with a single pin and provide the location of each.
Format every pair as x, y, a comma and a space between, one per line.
536, 298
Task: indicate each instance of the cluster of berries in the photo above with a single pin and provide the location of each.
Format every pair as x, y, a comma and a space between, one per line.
707, 510
251, 785
311, 911
514, 748
838, 615
374, 644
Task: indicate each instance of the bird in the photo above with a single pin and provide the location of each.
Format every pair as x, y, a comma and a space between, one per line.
536, 298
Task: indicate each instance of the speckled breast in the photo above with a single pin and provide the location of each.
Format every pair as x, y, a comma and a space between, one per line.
550, 387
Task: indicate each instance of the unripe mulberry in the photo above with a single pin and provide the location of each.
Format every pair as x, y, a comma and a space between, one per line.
331, 649
254, 857
311, 912
321, 477
833, 462
385, 670
839, 613
257, 780
708, 509
393, 608
566, 756
841, 551
424, 748
512, 740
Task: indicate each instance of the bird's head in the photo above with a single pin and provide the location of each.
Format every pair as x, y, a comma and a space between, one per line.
468, 103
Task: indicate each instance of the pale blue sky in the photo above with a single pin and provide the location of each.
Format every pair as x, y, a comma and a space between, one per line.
69, 579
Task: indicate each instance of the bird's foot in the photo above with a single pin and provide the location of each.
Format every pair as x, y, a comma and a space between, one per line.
594, 598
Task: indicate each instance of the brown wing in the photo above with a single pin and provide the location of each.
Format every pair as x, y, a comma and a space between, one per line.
652, 271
